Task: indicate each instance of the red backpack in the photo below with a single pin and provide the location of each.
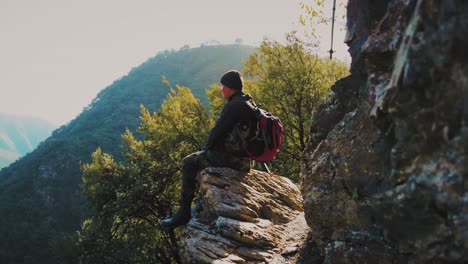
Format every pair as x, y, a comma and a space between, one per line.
266, 144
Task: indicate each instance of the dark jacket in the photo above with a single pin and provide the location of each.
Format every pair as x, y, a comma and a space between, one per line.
235, 126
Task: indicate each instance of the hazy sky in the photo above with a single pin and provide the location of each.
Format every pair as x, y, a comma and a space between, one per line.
56, 55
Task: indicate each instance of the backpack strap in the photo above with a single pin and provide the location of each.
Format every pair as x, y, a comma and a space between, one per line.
249, 102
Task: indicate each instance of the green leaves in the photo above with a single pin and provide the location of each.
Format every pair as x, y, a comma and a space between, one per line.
131, 199
355, 194
291, 83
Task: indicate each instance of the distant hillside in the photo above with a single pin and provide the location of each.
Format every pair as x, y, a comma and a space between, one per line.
40, 199
20, 135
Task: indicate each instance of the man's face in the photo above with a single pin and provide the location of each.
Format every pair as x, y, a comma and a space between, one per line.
227, 92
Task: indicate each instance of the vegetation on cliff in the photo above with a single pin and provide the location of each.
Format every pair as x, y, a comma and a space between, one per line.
291, 82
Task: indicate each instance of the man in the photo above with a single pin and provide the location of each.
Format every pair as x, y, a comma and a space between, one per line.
225, 146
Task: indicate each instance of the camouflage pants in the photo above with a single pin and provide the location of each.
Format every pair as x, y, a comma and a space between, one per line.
199, 160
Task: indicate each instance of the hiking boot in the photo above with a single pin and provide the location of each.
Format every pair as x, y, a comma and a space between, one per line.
181, 217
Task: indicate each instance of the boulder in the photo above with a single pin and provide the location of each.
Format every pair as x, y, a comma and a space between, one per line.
242, 217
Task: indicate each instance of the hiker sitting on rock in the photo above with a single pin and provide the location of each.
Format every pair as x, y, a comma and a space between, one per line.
225, 146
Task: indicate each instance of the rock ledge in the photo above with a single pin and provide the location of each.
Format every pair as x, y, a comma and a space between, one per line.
244, 218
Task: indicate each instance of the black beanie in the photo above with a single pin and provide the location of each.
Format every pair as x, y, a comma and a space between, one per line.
232, 79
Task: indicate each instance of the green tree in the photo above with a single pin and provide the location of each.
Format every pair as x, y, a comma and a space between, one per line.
216, 101
130, 199
290, 82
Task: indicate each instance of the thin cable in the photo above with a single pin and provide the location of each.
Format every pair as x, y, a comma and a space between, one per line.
331, 51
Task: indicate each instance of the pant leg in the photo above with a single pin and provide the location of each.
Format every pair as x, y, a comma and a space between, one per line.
191, 164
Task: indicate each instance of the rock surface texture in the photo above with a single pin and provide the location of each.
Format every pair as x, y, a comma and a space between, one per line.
244, 218
384, 179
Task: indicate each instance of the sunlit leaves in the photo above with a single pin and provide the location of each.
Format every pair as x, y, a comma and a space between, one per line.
131, 199
216, 100
290, 82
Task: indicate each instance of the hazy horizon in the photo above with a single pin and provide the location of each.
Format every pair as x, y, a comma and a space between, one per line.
58, 54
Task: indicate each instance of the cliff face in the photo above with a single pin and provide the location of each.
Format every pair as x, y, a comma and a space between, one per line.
244, 218
384, 176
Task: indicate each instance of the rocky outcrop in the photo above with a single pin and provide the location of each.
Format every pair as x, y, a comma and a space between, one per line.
384, 176
244, 218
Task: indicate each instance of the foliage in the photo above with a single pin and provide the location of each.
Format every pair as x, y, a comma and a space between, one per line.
290, 82
355, 194
216, 100
130, 199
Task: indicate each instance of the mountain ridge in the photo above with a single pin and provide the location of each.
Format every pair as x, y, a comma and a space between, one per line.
20, 135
